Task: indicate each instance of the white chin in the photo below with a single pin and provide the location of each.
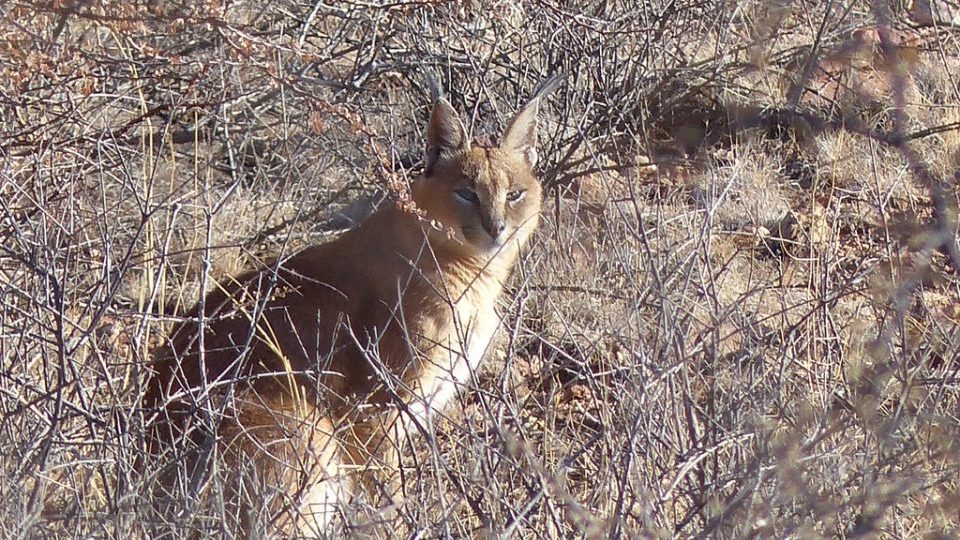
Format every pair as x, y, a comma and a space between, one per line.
494, 247
486, 246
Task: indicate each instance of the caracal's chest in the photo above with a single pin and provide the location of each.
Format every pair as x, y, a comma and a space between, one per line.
477, 327
458, 347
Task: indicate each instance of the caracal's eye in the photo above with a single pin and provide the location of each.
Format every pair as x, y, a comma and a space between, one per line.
467, 195
515, 196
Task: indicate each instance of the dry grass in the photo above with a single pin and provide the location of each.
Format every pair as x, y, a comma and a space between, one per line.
755, 338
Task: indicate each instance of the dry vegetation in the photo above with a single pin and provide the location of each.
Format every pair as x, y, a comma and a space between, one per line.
739, 320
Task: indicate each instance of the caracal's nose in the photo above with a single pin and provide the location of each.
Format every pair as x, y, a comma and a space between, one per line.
495, 228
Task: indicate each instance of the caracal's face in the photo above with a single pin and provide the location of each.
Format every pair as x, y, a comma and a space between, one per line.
484, 199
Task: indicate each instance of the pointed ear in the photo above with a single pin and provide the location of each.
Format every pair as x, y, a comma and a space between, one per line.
445, 134
521, 136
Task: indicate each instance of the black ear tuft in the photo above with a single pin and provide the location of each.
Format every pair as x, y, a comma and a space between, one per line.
445, 134
521, 135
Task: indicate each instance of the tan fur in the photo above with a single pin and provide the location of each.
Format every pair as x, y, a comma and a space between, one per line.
323, 364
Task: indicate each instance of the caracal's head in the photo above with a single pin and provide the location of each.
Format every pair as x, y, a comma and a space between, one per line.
486, 199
